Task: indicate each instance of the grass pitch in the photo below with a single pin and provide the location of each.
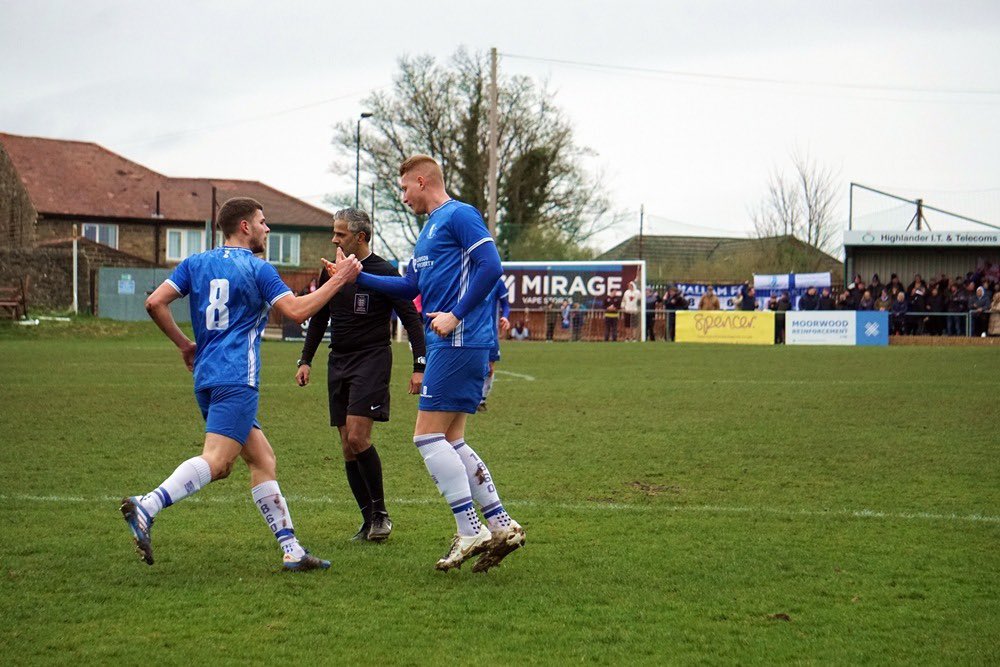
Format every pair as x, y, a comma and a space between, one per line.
682, 503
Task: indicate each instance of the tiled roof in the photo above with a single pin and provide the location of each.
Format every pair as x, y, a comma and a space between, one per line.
82, 178
675, 256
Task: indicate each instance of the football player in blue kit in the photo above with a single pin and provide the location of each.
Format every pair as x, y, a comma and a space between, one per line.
231, 292
499, 297
455, 266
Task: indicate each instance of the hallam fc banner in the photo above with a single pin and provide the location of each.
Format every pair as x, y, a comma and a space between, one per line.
694, 291
718, 326
537, 284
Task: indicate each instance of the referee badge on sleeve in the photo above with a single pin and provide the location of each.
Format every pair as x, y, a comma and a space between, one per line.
361, 304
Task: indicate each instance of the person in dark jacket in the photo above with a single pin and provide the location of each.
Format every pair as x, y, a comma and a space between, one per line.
809, 300
980, 307
918, 305
958, 306
844, 301
875, 286
677, 301
749, 301
826, 300
936, 303
897, 319
866, 302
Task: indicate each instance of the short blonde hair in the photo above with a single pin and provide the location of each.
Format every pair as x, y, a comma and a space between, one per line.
419, 160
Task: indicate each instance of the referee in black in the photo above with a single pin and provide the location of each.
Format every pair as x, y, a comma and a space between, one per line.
360, 366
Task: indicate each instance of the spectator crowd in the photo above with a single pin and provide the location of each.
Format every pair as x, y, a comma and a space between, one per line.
966, 305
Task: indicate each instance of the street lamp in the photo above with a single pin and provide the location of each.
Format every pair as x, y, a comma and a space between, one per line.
357, 160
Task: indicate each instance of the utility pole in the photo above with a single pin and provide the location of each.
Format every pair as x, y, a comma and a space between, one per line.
491, 176
372, 239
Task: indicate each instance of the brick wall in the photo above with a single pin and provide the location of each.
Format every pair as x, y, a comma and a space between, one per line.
17, 215
313, 245
51, 274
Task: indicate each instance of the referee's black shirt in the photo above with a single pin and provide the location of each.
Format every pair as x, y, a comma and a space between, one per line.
360, 318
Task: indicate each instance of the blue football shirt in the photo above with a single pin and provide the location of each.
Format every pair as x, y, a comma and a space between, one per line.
231, 292
443, 270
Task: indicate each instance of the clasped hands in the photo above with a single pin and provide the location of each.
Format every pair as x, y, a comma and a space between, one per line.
345, 269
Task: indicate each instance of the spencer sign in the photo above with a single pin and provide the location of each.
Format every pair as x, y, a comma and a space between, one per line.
536, 284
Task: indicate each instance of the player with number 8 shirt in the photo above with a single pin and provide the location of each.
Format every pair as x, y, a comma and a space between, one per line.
231, 292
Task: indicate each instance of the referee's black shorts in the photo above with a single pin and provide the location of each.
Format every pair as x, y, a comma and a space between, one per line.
358, 384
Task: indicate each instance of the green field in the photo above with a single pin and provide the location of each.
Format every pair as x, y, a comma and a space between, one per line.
682, 504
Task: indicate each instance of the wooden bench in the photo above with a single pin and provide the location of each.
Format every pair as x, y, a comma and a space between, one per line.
15, 298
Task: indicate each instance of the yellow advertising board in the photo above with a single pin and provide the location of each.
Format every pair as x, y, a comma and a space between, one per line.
738, 327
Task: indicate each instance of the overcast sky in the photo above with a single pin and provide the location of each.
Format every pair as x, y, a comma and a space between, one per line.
251, 90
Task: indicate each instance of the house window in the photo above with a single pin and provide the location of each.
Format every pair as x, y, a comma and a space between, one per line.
183, 243
283, 248
106, 234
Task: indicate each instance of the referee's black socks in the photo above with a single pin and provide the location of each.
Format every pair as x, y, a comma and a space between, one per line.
359, 488
370, 466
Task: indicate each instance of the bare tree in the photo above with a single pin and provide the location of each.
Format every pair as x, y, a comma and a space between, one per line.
801, 206
441, 110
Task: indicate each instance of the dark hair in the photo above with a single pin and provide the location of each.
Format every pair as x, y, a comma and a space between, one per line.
357, 221
234, 210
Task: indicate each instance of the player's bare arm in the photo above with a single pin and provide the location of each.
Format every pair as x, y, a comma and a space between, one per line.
158, 307
300, 308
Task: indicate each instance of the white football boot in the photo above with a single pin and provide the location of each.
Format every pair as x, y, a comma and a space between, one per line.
465, 547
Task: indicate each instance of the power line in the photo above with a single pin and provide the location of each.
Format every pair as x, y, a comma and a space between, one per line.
249, 119
757, 80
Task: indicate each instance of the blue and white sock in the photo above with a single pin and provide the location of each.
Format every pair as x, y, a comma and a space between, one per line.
484, 491
186, 480
268, 499
448, 473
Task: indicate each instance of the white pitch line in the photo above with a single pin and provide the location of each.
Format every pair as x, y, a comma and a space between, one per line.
522, 376
592, 506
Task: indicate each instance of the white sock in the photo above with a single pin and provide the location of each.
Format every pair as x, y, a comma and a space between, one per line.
267, 496
187, 479
448, 473
484, 491
487, 385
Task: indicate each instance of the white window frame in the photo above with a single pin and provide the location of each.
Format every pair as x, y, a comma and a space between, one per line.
185, 250
97, 226
281, 239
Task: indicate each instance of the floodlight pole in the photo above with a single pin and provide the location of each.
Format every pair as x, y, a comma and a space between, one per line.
491, 176
642, 215
357, 160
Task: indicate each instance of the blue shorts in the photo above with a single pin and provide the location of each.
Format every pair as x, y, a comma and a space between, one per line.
229, 410
495, 354
453, 381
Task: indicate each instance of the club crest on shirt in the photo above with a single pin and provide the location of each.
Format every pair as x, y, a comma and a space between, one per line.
430, 232
361, 304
